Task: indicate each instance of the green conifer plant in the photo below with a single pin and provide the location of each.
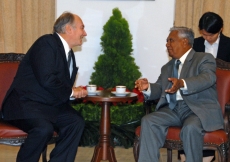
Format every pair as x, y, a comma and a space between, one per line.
115, 66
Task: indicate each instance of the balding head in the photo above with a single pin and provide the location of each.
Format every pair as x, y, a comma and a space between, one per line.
71, 28
62, 21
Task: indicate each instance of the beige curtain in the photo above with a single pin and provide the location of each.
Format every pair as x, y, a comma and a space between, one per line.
23, 21
188, 13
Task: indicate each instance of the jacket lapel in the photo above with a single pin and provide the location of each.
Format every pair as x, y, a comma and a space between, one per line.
60, 46
170, 72
222, 45
170, 68
187, 64
63, 55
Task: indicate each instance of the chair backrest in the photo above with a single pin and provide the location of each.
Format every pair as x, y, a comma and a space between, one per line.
8, 67
223, 82
7, 73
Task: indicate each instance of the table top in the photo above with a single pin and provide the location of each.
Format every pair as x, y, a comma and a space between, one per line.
111, 96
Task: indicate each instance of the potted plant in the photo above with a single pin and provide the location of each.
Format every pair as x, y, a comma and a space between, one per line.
115, 66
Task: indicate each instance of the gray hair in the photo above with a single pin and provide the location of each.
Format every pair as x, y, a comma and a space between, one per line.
62, 21
184, 32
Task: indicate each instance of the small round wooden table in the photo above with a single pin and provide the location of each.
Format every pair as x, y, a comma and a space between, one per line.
104, 150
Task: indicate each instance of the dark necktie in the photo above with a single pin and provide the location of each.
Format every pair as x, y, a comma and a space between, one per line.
69, 63
172, 103
69, 58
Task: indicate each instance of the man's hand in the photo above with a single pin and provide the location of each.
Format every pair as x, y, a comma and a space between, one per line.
142, 84
177, 84
79, 92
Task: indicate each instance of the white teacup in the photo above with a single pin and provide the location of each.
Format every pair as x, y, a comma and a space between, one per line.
91, 88
120, 89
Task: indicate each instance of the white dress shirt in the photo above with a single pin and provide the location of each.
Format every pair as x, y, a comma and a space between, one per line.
212, 48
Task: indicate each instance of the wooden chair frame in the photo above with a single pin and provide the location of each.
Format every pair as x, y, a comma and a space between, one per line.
11, 135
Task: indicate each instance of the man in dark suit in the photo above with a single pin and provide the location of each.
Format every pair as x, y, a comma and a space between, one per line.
38, 99
187, 98
211, 41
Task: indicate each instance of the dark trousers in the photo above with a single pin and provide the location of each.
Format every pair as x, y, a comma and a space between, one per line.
69, 126
154, 127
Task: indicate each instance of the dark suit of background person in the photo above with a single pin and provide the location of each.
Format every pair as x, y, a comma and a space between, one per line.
210, 27
223, 51
38, 99
199, 100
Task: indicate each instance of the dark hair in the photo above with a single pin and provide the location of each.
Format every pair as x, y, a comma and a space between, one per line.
211, 22
184, 32
60, 23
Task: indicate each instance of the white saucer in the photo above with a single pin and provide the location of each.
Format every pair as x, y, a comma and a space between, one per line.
120, 94
93, 93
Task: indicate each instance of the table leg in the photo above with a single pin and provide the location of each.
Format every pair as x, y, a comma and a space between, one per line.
104, 150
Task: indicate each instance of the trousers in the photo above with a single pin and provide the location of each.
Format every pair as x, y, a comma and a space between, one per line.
69, 126
154, 128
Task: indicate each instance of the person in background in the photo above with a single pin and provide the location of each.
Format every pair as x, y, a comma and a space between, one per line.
38, 100
183, 100
212, 41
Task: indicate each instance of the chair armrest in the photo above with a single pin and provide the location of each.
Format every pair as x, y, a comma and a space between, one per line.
227, 107
226, 117
148, 105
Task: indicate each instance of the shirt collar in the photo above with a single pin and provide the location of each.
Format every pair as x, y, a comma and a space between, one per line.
65, 44
215, 43
182, 59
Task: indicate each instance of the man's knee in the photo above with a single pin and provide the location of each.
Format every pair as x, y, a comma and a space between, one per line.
79, 122
190, 128
45, 131
191, 132
146, 118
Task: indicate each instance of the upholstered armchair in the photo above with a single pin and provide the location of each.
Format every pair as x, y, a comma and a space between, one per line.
11, 135
217, 140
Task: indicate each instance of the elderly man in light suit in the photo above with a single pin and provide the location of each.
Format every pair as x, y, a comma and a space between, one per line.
195, 99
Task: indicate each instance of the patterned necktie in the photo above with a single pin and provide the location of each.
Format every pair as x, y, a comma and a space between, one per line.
172, 103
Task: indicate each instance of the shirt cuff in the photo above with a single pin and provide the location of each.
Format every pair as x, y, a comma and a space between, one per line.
71, 96
185, 88
147, 92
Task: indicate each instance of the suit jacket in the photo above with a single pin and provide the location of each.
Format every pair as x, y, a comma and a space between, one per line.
198, 72
42, 85
223, 51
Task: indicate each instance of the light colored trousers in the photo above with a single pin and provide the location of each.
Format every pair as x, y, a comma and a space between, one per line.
154, 127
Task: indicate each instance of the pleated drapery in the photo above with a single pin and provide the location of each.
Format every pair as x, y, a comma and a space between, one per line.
188, 13
23, 21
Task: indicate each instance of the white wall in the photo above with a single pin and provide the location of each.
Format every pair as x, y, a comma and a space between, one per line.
149, 23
